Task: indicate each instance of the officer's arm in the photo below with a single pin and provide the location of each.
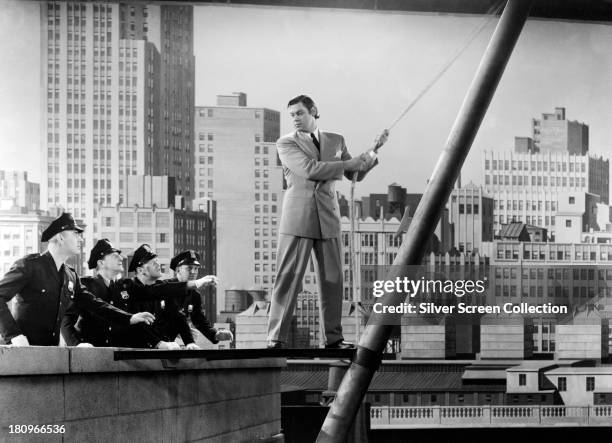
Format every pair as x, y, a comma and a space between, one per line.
85, 300
200, 321
349, 174
69, 331
183, 327
292, 157
13, 282
154, 292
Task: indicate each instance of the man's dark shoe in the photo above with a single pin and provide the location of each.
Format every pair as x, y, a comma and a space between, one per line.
273, 344
340, 344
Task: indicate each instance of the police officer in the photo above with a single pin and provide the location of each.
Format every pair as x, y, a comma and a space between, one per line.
169, 321
95, 331
186, 266
45, 285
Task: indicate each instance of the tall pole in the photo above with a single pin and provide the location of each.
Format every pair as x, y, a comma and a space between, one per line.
376, 334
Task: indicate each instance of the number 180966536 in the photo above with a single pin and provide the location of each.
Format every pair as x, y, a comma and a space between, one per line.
37, 429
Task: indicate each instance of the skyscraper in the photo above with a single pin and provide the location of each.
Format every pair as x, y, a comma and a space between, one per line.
237, 165
118, 98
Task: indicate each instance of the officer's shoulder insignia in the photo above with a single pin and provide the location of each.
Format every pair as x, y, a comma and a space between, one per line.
125, 295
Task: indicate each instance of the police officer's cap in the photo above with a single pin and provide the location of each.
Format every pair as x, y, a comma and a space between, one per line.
143, 254
100, 250
64, 222
189, 257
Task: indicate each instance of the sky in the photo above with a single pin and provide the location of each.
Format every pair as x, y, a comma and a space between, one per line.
362, 68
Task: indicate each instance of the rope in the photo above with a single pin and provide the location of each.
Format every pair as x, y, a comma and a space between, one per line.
491, 14
493, 11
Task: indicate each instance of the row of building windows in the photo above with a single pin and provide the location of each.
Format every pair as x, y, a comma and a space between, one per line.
265, 196
265, 267
529, 219
265, 255
265, 209
265, 232
536, 181
265, 244
266, 279
144, 237
554, 252
265, 220
514, 165
534, 205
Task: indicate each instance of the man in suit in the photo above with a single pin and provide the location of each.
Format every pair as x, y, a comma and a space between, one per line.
45, 286
186, 265
310, 222
81, 328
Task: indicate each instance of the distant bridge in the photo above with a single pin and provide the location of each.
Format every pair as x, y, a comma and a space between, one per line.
489, 416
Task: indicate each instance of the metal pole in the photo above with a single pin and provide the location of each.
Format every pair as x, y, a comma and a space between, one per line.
369, 352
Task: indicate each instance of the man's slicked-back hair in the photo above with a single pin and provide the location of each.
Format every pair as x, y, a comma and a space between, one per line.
306, 101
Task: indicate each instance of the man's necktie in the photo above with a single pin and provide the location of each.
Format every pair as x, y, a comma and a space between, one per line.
315, 141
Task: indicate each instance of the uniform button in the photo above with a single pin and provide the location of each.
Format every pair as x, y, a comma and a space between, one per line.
112, 303
110, 328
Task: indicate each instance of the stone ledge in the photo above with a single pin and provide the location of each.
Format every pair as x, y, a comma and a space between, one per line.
34, 360
102, 360
46, 360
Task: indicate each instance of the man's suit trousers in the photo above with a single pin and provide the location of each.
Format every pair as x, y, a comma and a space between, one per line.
292, 259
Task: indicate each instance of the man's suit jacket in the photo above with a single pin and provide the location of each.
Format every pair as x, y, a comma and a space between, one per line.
310, 205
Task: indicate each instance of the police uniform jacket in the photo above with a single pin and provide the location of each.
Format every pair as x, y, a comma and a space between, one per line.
191, 306
162, 302
42, 295
122, 294
100, 332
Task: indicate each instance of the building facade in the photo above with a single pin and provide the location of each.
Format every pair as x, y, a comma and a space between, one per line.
564, 274
471, 218
525, 187
237, 165
117, 87
554, 133
16, 191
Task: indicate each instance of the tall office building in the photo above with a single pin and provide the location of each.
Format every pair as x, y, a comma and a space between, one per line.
237, 165
118, 94
526, 186
554, 133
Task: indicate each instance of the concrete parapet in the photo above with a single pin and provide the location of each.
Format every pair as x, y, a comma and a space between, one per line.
99, 399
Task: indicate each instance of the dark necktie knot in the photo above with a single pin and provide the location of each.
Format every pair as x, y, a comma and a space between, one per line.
315, 141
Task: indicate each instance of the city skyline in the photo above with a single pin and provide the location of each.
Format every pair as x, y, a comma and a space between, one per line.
575, 55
